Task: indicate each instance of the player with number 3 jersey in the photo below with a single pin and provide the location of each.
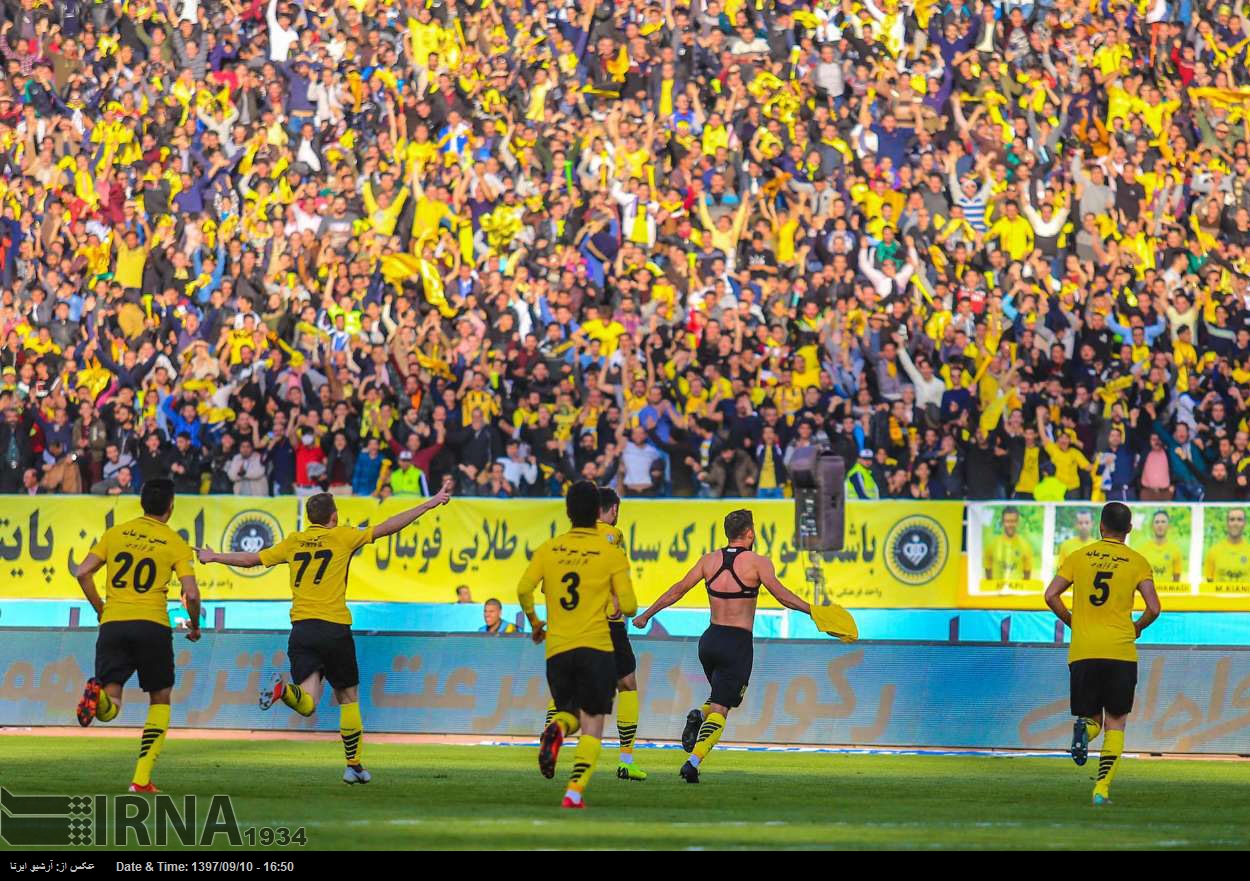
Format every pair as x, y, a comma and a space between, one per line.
580, 572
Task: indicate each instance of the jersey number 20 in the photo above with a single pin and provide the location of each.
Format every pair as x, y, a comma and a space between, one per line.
1102, 589
571, 580
144, 576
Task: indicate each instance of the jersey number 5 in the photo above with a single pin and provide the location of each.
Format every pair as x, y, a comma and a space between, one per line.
304, 558
1102, 589
571, 580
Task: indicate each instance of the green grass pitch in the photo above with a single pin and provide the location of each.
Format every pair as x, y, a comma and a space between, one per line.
492, 797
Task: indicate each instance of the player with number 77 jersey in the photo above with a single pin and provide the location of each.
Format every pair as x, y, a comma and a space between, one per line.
321, 645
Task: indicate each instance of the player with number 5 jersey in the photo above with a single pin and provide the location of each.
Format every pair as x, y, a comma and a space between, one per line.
321, 645
1102, 659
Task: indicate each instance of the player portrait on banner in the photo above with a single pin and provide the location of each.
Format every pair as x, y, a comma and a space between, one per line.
1074, 529
1011, 548
1225, 550
1161, 534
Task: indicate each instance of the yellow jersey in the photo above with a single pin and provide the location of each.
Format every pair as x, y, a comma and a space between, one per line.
579, 572
141, 555
319, 558
616, 538
1227, 561
1166, 560
1104, 577
1008, 559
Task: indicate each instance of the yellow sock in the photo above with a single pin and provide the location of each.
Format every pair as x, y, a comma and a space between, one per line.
298, 700
709, 734
705, 709
1108, 759
551, 712
583, 764
105, 709
1091, 729
567, 721
351, 729
151, 742
627, 723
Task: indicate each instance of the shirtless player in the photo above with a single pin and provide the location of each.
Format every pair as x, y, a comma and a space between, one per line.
733, 576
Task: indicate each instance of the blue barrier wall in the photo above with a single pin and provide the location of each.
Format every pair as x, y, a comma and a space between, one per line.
918, 625
817, 692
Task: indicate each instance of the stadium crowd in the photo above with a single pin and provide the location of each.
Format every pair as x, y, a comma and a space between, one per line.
976, 248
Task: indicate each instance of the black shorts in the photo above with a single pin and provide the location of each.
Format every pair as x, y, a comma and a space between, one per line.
726, 654
582, 679
622, 651
326, 648
122, 647
1100, 684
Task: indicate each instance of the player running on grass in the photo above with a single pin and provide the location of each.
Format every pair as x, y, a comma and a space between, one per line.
733, 576
622, 652
321, 644
580, 572
1102, 658
141, 555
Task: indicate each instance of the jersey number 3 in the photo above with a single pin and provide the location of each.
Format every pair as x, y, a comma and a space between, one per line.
1102, 589
571, 580
304, 558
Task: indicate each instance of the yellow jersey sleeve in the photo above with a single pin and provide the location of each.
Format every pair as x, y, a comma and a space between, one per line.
279, 553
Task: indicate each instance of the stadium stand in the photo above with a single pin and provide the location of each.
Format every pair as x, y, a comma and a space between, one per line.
269, 248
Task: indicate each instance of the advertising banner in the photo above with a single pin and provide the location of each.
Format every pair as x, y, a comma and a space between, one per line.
802, 691
43, 538
1199, 554
895, 555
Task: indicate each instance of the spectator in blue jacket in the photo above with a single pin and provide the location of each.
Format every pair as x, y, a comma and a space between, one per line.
367, 470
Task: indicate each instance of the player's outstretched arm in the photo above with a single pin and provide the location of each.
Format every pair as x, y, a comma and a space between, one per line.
391, 525
673, 594
768, 578
191, 596
783, 595
239, 560
1147, 590
1054, 598
85, 573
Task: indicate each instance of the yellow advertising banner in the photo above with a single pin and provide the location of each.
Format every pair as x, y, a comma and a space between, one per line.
895, 555
43, 538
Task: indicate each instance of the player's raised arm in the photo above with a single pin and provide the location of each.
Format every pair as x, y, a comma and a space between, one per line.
1146, 587
1054, 598
391, 525
85, 573
768, 578
673, 594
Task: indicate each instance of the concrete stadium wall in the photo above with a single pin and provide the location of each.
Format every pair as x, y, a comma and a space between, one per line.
1194, 699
